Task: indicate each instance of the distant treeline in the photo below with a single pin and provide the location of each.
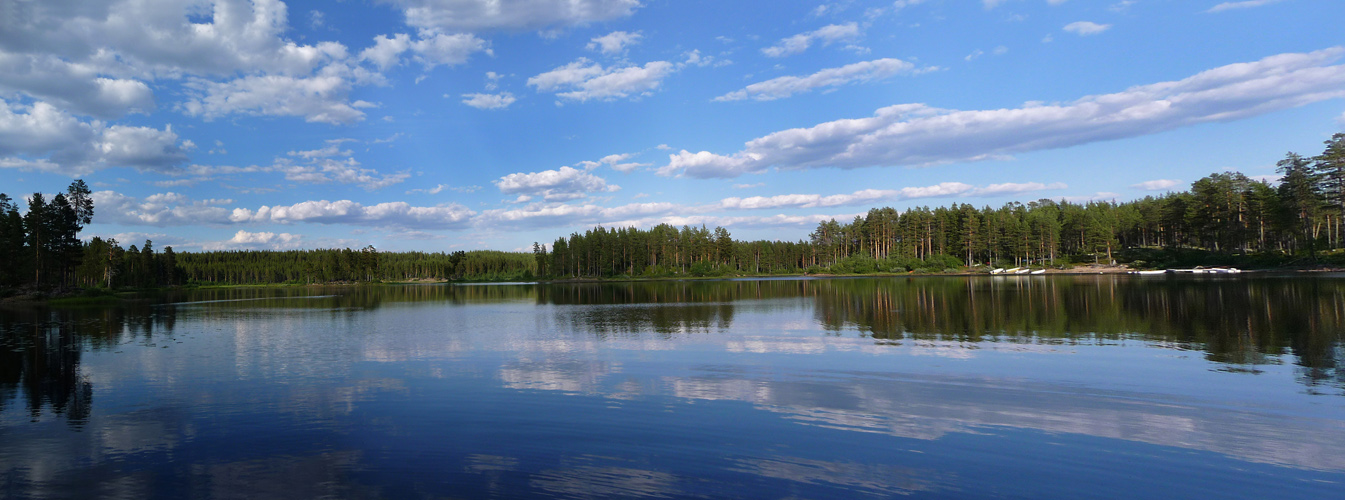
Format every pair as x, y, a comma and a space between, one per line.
1224, 214
1221, 217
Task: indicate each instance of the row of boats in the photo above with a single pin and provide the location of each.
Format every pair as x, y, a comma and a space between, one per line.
1017, 270
1196, 270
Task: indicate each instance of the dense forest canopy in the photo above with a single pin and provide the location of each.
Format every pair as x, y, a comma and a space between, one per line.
1222, 215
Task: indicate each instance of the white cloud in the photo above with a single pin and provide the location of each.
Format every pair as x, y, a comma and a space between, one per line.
259, 240
1086, 28
394, 214
583, 79
555, 185
617, 162
898, 5
489, 101
76, 87
1015, 188
870, 196
1157, 185
1240, 5
826, 35
557, 215
441, 187
434, 49
42, 137
98, 58
785, 86
615, 42
387, 51
346, 171
320, 98
694, 58
318, 166
916, 134
473, 15
430, 49
165, 209
748, 186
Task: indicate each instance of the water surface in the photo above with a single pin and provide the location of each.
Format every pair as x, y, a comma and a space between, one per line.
959, 387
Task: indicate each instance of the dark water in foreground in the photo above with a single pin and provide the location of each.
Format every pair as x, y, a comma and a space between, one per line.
1018, 387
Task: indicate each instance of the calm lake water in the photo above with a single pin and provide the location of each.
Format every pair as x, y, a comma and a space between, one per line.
1014, 387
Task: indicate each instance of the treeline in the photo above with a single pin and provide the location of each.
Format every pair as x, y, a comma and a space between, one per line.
345, 265
42, 245
1222, 214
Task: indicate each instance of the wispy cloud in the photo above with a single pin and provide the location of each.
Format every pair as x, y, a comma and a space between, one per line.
825, 35
785, 86
917, 134
1086, 28
1240, 5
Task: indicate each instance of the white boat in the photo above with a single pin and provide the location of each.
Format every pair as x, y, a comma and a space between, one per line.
1039, 271
1023, 271
1149, 273
997, 270
1013, 270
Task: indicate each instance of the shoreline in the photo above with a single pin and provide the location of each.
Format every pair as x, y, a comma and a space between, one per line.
81, 297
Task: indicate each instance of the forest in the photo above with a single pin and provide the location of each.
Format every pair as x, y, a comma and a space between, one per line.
1223, 218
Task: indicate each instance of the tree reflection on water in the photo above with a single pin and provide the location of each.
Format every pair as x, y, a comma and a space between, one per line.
1241, 324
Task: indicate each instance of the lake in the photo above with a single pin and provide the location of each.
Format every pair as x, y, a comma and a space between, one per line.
923, 387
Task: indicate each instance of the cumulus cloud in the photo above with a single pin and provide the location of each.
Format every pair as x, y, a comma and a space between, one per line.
259, 240
1157, 185
475, 15
827, 35
1240, 5
1086, 28
430, 49
173, 209
614, 42
916, 134
489, 101
583, 80
785, 86
392, 214
95, 58
164, 209
320, 98
75, 87
554, 185
615, 162
42, 137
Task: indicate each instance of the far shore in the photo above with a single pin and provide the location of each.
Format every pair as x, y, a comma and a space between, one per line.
94, 297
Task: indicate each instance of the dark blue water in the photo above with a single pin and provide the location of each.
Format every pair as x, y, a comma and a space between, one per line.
1061, 387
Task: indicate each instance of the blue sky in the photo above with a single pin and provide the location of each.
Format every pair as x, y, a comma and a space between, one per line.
444, 125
